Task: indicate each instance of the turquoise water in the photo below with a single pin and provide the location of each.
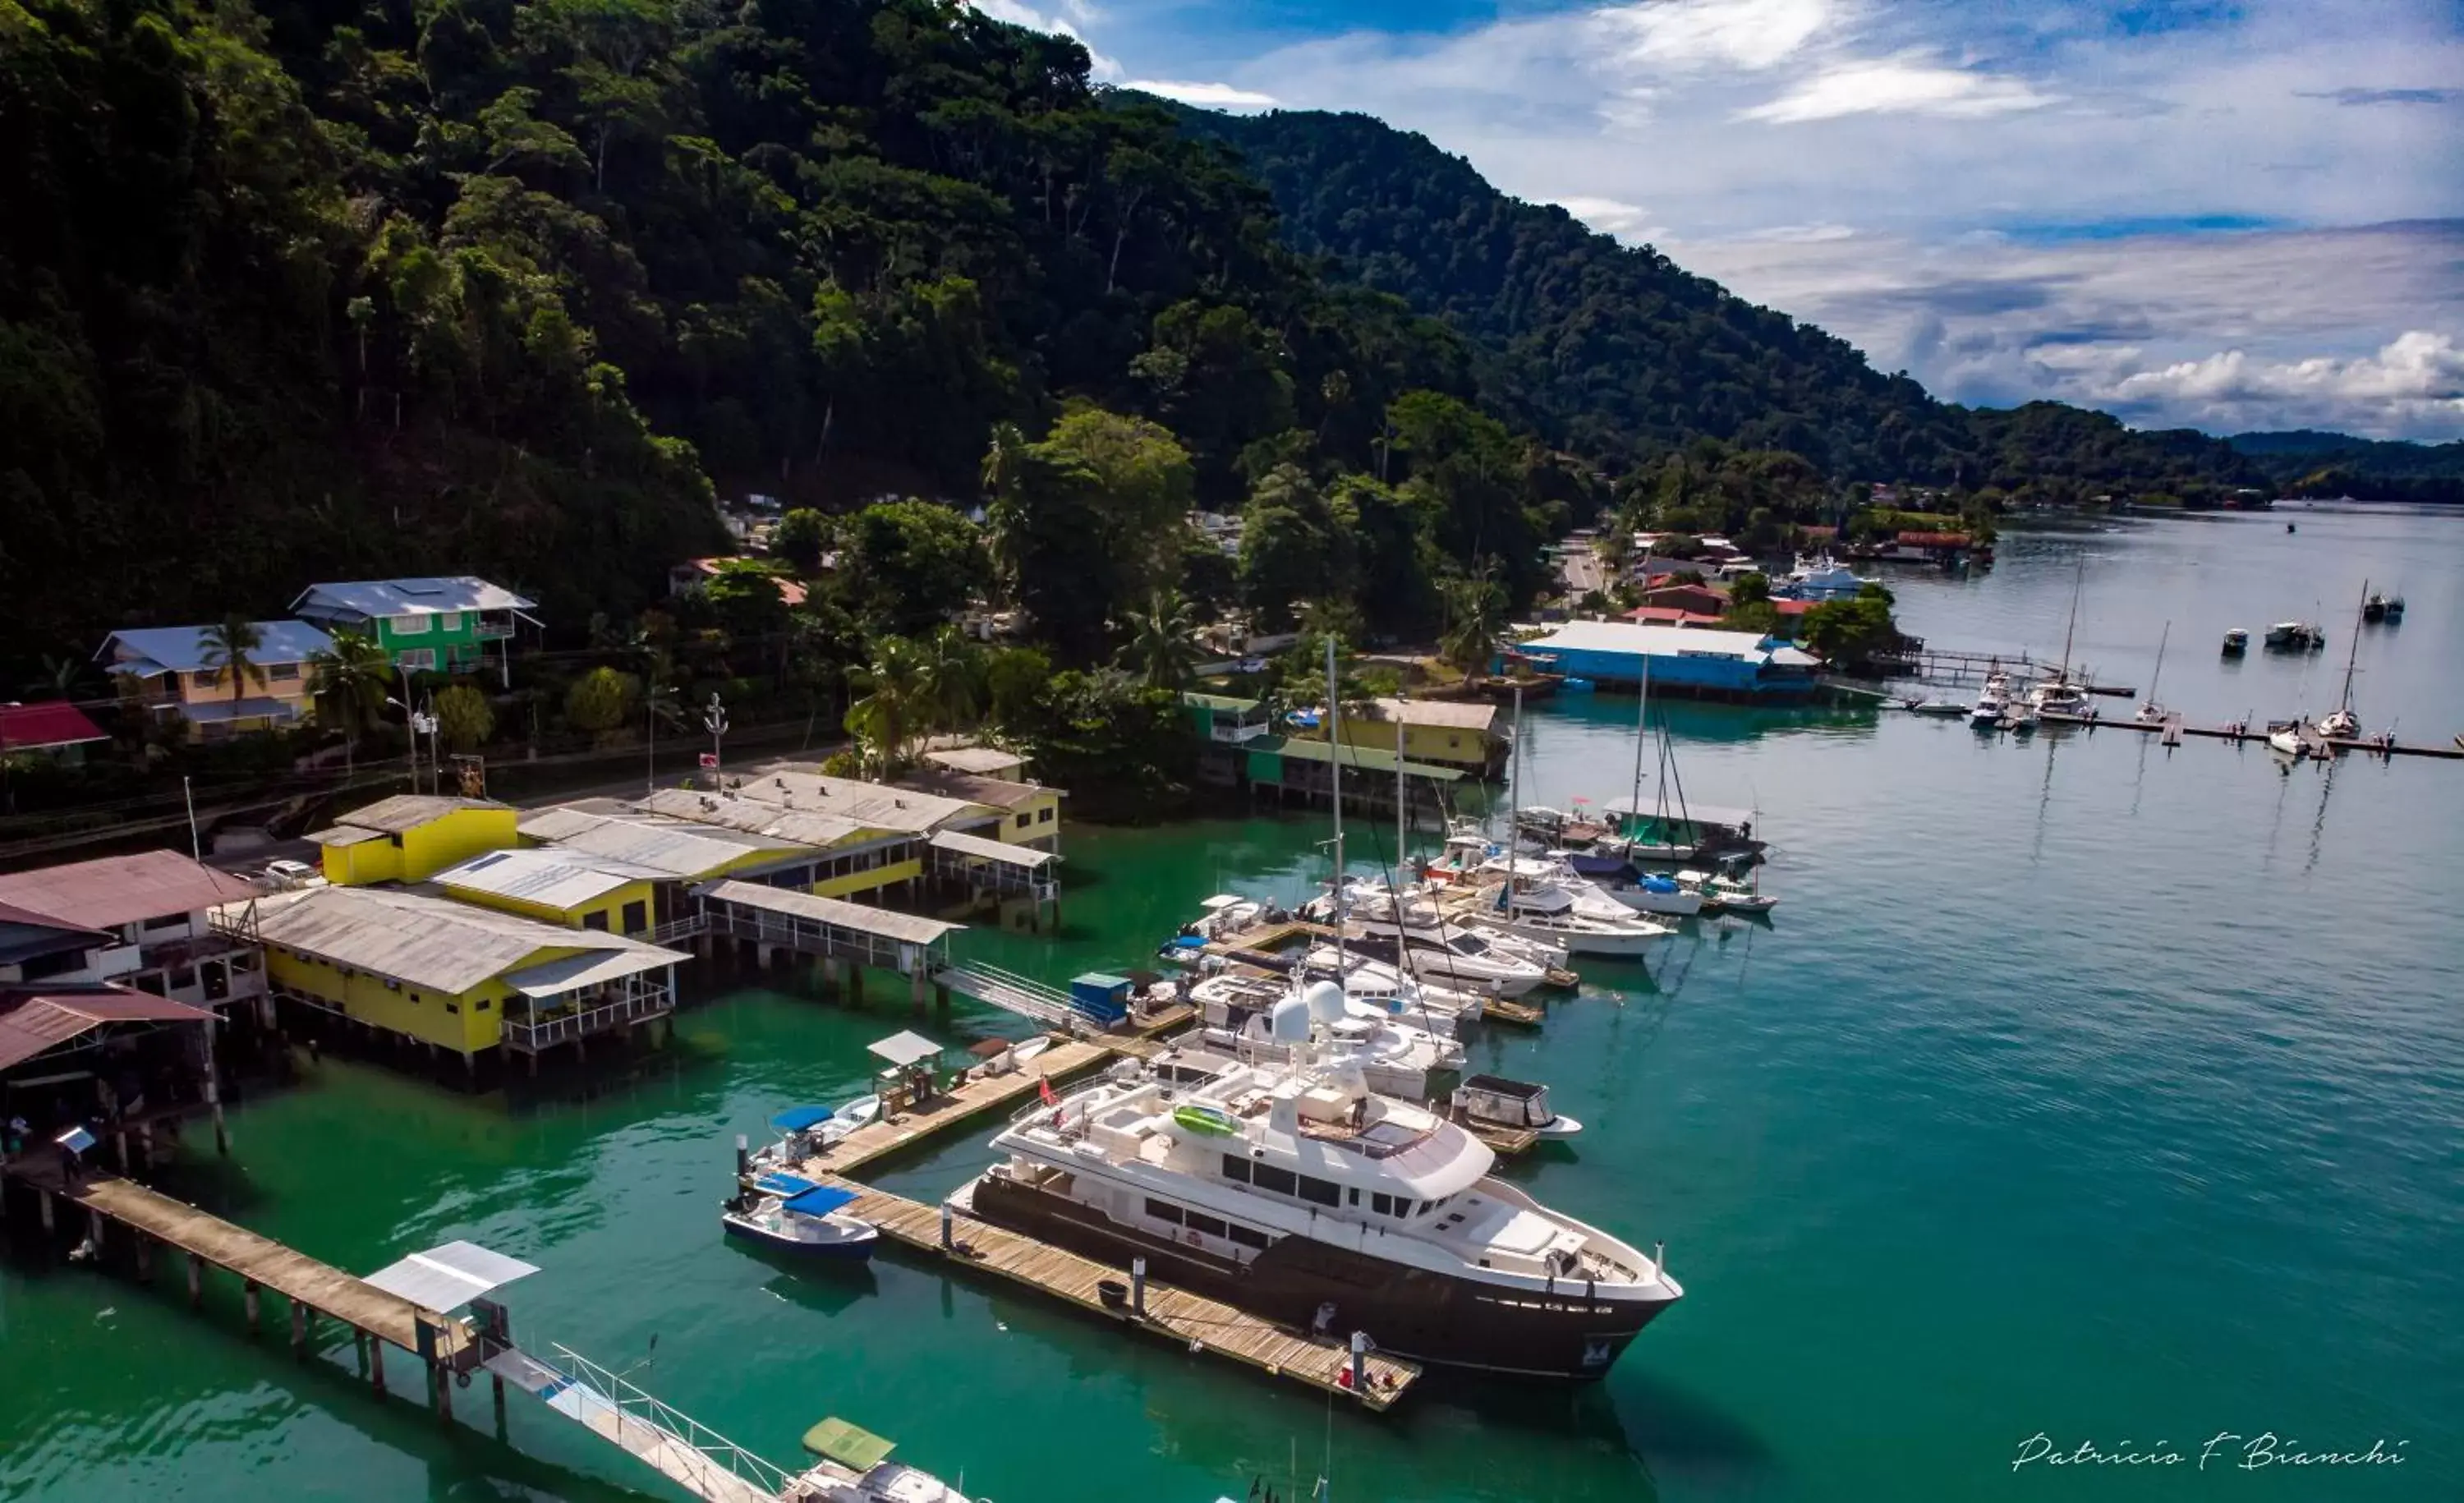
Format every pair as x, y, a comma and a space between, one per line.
2075, 1088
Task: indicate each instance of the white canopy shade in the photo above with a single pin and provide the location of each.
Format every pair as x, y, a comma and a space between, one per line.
906, 1049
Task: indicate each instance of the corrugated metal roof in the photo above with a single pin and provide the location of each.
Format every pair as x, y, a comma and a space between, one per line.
1620, 636
755, 819
677, 848
1001, 851
42, 1020
989, 762
110, 891
444, 1279
873, 805
544, 875
54, 723
1454, 714
1376, 758
591, 967
406, 597
407, 812
344, 835
212, 712
431, 942
907, 928
183, 649
1000, 793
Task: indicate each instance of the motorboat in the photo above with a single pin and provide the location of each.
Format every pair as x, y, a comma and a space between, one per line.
1649, 893
1226, 914
2236, 642
2394, 609
2294, 636
1945, 709
1991, 703
853, 1465
2059, 695
1514, 1105
2379, 608
2020, 720
1442, 948
1296, 1193
1383, 985
2285, 737
1638, 893
792, 1214
1821, 578
1548, 911
806, 1132
1724, 893
1394, 1058
1677, 832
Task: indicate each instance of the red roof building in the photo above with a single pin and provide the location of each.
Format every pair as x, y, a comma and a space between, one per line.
1670, 616
1933, 540
53, 725
1705, 599
37, 1021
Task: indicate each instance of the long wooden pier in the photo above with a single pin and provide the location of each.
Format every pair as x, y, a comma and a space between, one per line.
2173, 728
1193, 1320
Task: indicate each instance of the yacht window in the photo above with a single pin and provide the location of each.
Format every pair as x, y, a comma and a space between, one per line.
1247, 1237
1352, 1196
1236, 1167
1197, 1221
1381, 1203
1267, 1177
1165, 1210
1324, 1192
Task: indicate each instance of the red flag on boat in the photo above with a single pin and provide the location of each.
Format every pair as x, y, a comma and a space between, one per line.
1044, 1089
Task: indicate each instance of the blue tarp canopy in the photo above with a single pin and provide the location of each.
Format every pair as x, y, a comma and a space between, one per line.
776, 1183
819, 1201
796, 1119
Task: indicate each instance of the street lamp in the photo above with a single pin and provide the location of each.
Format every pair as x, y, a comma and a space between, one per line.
714, 718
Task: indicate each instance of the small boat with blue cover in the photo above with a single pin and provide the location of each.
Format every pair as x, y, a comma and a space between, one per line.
793, 1214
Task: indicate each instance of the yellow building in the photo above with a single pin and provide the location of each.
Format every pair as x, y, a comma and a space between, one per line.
175, 671
1451, 733
569, 887
462, 979
1021, 813
862, 838
411, 838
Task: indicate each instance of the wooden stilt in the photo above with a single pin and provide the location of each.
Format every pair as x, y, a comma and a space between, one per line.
144, 1258
249, 1292
360, 1349
196, 1281
299, 1325
50, 1223
376, 1362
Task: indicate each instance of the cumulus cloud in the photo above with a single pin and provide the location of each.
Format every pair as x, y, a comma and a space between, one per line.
1690, 34
1104, 69
1212, 95
2414, 383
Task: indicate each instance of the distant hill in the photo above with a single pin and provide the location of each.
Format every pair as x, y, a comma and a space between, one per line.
1612, 348
2309, 462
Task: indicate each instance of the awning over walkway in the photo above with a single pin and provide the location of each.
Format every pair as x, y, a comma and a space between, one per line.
445, 1279
983, 849
47, 1020
855, 917
905, 1049
589, 968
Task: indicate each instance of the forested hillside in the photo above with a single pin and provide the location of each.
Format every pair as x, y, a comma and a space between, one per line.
2308, 462
1615, 350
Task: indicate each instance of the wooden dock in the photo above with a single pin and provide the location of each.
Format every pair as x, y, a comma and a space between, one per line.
1191, 1320
964, 1103
2172, 729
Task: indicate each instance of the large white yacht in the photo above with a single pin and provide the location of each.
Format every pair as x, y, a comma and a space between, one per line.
1447, 1011
1446, 950
1296, 1193
1238, 1014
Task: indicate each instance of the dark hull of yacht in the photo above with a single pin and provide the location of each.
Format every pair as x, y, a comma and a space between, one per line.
1408, 1312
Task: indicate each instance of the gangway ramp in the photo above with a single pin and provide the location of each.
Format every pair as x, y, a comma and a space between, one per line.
1011, 992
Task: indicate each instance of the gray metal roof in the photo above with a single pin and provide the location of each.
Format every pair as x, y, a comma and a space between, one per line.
444, 1279
1001, 851
989, 762
369, 599
407, 812
671, 848
546, 874
908, 928
873, 805
431, 942
146, 650
750, 816
589, 968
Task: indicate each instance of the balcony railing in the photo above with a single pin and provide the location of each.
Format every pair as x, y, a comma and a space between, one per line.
530, 1037
488, 630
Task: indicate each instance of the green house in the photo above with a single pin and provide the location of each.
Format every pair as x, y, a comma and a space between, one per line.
424, 624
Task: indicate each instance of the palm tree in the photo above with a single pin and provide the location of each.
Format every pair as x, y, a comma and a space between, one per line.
1161, 650
1004, 514
348, 684
225, 647
885, 719
1475, 612
950, 690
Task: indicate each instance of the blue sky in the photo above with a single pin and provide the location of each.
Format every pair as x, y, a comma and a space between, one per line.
2244, 214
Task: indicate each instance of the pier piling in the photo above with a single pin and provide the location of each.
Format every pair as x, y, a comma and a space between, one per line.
196, 1281
299, 1327
1138, 1287
249, 1298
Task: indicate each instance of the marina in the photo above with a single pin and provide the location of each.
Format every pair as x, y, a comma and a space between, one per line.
1735, 1087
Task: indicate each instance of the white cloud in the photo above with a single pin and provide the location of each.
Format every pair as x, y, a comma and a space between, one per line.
1697, 34
1630, 223
2413, 384
1897, 85
1104, 69
1218, 96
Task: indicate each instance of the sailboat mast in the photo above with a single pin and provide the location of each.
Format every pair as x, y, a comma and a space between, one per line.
2070, 631
2158, 677
1401, 826
1335, 778
2354, 653
1641, 732
1514, 803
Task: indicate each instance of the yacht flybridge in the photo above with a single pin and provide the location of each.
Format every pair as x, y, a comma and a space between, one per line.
1296, 1193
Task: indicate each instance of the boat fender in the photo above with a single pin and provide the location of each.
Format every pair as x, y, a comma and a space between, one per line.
1191, 1238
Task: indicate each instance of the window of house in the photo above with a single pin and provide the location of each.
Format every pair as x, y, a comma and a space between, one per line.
1165, 1210
392, 985
481, 1006
184, 978
419, 660
409, 626
166, 922
206, 678
449, 620
1325, 1192
448, 1006
1248, 1236
1267, 1177
1043, 816
1203, 1224
596, 918
1236, 1167
395, 840
281, 673
1024, 820
637, 917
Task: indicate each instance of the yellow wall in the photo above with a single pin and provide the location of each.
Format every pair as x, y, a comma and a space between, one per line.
362, 863
475, 1021
291, 690
871, 880
1037, 826
422, 851
1438, 744
611, 904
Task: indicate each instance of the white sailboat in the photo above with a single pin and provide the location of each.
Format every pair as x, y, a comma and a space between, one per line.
2060, 695
2151, 712
2341, 723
